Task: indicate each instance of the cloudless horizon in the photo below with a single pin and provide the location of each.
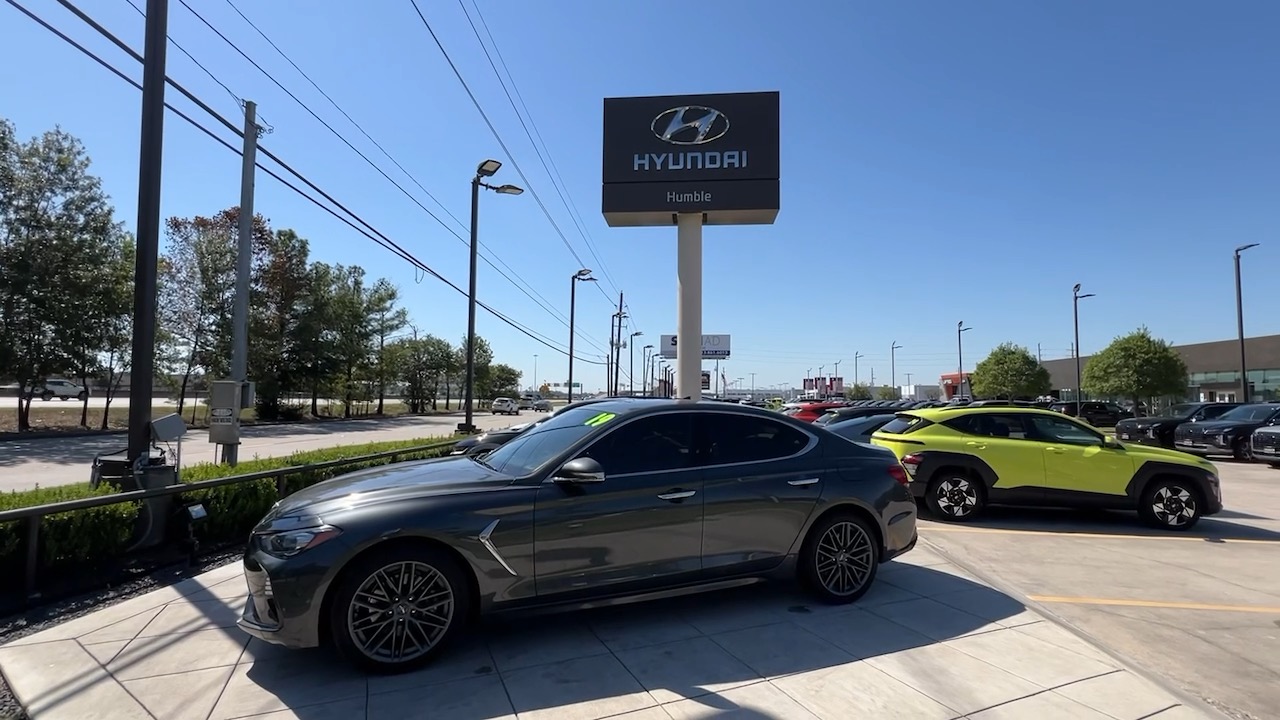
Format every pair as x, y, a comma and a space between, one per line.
940, 162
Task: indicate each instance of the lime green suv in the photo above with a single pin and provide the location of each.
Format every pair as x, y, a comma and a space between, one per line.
962, 459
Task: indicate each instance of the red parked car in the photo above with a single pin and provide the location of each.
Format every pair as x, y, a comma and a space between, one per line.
808, 412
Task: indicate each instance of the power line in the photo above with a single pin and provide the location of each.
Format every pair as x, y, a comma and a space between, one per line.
497, 136
380, 239
535, 297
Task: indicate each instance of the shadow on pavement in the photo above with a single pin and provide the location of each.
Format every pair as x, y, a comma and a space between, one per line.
1109, 522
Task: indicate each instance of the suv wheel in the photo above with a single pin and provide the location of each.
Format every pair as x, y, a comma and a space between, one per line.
82, 396
955, 496
1243, 451
1171, 504
46, 396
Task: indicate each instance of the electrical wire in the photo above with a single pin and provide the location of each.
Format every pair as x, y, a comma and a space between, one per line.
501, 143
535, 297
374, 235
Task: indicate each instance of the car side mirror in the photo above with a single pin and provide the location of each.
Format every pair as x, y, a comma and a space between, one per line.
579, 471
1110, 442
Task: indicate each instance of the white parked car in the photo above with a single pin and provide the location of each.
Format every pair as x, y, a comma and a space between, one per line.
61, 389
505, 406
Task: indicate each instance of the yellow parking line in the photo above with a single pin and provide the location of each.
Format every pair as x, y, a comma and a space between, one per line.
1102, 536
1263, 609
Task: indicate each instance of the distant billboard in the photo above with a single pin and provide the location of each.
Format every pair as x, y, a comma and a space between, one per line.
714, 347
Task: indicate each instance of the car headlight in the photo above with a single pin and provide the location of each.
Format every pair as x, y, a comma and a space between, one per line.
287, 537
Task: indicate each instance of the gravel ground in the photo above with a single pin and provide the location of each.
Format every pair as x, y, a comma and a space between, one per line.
46, 616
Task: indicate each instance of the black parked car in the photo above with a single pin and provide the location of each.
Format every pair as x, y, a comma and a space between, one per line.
1158, 430
1229, 434
620, 499
840, 414
493, 439
1097, 414
1266, 445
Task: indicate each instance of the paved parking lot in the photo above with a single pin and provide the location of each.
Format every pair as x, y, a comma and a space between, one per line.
1201, 609
929, 641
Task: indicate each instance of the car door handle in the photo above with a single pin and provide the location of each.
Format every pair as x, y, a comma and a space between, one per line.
677, 495
799, 483
1055, 450
976, 444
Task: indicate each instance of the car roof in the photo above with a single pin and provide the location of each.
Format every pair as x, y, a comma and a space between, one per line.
946, 413
639, 405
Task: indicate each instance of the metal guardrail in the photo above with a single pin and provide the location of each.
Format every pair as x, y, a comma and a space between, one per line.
34, 514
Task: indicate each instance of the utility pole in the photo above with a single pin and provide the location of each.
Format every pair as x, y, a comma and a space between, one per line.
908, 379
244, 258
1244, 367
894, 347
608, 355
753, 386
1039, 356
856, 355
617, 351
150, 163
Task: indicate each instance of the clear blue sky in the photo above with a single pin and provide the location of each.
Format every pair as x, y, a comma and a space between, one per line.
941, 161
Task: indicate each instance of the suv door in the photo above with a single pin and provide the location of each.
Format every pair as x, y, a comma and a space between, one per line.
1076, 460
761, 480
642, 524
999, 440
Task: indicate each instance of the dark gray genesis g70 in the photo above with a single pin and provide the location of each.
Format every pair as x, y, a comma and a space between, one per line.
614, 501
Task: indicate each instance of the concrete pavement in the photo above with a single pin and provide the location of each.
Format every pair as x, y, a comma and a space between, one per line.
929, 641
1200, 608
60, 461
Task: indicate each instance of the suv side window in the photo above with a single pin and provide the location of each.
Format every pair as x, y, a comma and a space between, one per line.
995, 425
1212, 412
731, 438
658, 443
1052, 429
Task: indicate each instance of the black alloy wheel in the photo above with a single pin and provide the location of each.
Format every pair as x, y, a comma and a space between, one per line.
1242, 450
1171, 504
396, 610
956, 496
840, 559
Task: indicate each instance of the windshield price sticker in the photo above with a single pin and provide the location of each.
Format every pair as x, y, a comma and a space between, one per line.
600, 419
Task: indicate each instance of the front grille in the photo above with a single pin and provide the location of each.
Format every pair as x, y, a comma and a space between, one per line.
1267, 443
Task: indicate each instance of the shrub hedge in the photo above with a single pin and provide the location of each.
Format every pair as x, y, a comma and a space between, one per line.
86, 537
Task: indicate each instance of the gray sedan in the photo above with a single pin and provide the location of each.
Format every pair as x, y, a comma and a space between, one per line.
619, 499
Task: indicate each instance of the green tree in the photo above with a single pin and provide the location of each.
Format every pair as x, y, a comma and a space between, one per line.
483, 359
277, 289
420, 362
316, 333
501, 380
387, 320
57, 234
1135, 366
858, 391
353, 330
887, 393
1009, 372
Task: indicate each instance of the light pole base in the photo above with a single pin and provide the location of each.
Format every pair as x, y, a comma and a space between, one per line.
466, 428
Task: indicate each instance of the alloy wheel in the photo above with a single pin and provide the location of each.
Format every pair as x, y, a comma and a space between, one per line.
400, 612
956, 497
1174, 506
844, 558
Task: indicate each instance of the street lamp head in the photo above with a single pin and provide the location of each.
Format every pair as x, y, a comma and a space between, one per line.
488, 168
1076, 289
648, 347
1242, 248
508, 189
637, 333
584, 272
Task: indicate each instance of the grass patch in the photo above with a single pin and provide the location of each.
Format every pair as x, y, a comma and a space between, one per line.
87, 537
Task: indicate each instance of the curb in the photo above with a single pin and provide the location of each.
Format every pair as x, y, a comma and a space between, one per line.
1186, 698
71, 434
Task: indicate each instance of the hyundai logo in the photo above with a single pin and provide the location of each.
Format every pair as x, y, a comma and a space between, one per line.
690, 125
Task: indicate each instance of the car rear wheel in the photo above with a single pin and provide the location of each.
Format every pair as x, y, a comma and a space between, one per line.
396, 610
1171, 504
1243, 451
840, 558
82, 396
955, 496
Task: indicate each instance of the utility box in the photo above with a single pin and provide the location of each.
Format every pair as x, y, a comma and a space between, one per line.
226, 399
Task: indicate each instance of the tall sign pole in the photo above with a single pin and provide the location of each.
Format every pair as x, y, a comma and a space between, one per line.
244, 261
150, 162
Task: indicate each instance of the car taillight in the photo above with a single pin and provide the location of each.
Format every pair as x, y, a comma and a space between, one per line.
911, 463
899, 474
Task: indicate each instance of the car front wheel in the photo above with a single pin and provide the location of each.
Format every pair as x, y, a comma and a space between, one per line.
955, 496
396, 610
1171, 504
840, 559
1243, 451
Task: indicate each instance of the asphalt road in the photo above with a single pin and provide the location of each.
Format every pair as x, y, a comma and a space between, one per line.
61, 461
1201, 609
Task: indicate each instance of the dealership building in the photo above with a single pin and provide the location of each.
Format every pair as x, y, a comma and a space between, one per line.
1213, 370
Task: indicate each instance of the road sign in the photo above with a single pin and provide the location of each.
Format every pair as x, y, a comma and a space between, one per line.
706, 380
714, 347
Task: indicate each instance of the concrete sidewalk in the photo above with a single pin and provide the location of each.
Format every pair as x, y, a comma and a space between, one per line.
928, 641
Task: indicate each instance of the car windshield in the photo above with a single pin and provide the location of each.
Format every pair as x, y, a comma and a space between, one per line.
1181, 410
544, 442
1249, 413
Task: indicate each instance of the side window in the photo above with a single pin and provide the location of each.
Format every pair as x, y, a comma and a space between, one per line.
658, 443
990, 425
1210, 413
1051, 429
730, 438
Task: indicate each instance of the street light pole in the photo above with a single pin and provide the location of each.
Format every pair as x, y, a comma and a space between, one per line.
1244, 368
483, 170
856, 355
583, 275
893, 365
631, 373
535, 372
753, 386
960, 329
1076, 297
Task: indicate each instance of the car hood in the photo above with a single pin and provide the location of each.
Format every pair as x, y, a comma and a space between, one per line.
397, 481
1151, 452
1151, 420
1217, 426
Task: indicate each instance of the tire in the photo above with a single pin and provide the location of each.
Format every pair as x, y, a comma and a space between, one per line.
46, 396
955, 496
64, 398
839, 559
1242, 451
82, 396
356, 631
1171, 503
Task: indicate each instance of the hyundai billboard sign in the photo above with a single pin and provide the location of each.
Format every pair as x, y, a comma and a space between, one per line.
712, 154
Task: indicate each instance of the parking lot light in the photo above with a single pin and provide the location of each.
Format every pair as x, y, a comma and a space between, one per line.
1244, 368
1076, 297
